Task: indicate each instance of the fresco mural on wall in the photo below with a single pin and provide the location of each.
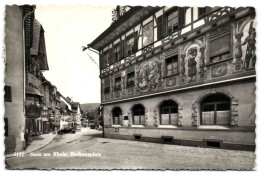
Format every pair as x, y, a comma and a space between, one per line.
245, 37
148, 75
148, 34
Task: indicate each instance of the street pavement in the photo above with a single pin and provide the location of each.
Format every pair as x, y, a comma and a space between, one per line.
38, 143
86, 149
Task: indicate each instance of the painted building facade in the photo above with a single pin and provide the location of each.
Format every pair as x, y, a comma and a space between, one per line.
180, 75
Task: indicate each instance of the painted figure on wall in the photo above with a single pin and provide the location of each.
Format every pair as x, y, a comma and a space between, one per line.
148, 75
250, 51
192, 70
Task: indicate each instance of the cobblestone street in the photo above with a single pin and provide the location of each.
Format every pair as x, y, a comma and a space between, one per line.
122, 154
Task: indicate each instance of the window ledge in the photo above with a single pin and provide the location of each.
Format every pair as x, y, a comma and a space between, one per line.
117, 126
138, 126
213, 127
210, 64
167, 76
167, 126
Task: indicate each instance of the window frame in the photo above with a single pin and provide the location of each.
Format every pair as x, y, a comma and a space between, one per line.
8, 93
172, 58
129, 84
167, 14
116, 114
169, 107
117, 53
137, 109
216, 103
216, 37
118, 87
132, 50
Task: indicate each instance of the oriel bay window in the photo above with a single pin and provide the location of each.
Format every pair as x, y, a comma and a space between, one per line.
172, 65
130, 80
220, 47
216, 110
169, 113
117, 84
138, 114
116, 113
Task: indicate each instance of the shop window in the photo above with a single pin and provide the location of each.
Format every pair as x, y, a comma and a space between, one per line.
117, 113
172, 65
8, 94
130, 80
215, 110
117, 84
220, 48
169, 113
138, 114
202, 11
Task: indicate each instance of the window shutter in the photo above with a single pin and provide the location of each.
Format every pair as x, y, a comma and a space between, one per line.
160, 27
135, 41
102, 61
182, 11
111, 56
220, 45
122, 49
125, 47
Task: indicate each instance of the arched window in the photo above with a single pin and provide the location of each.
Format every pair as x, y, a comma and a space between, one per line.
169, 113
117, 112
215, 110
138, 114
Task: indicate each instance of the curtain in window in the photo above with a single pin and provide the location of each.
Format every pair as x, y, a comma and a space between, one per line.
208, 118
165, 119
142, 119
223, 117
174, 119
116, 120
136, 120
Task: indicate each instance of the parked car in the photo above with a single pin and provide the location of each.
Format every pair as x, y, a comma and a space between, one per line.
66, 130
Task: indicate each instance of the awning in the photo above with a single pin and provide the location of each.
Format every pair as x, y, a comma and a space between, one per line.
33, 91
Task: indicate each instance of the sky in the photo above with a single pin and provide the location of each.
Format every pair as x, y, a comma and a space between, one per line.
67, 29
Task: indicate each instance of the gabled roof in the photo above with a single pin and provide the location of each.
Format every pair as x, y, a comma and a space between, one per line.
114, 25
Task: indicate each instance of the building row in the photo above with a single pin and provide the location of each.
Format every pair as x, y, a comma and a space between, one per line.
180, 75
32, 103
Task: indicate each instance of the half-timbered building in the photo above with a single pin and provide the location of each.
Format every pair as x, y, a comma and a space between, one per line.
180, 75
